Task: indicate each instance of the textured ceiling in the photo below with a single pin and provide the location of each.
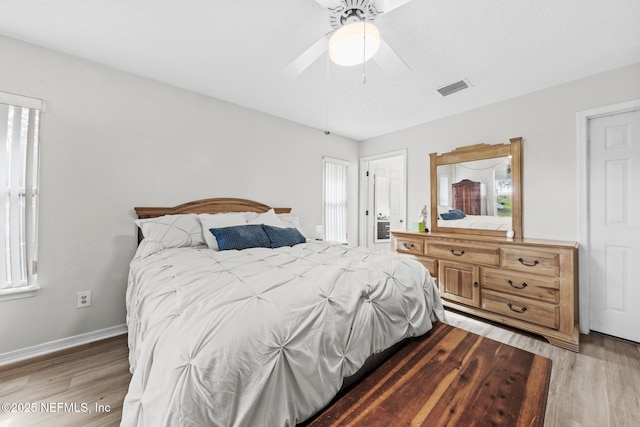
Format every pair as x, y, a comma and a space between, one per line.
237, 51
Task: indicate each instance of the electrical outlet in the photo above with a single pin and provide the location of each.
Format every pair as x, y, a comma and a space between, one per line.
83, 299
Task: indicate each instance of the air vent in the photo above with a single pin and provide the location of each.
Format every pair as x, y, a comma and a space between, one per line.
453, 88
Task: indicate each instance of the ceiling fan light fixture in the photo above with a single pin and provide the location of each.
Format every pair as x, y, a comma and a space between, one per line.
354, 44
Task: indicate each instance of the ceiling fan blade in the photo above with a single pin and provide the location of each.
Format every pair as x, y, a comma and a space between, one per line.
306, 58
328, 4
385, 6
390, 61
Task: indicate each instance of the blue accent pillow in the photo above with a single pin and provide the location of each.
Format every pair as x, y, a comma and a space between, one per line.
241, 237
453, 214
283, 236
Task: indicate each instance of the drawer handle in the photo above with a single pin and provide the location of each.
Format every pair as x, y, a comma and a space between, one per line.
453, 251
535, 262
524, 285
522, 310
411, 246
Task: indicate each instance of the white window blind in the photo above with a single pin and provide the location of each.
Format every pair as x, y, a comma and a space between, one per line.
19, 126
335, 200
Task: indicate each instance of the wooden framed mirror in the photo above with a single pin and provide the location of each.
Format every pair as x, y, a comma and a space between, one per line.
478, 190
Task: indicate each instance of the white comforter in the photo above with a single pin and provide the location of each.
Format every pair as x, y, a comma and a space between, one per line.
483, 222
262, 337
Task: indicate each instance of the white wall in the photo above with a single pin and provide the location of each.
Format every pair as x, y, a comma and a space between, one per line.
111, 141
547, 122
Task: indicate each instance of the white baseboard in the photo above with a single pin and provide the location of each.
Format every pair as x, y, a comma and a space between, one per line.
61, 344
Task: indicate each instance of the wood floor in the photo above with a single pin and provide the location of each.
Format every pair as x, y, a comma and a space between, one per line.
598, 387
95, 375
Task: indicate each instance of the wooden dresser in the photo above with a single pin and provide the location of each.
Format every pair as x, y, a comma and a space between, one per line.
529, 284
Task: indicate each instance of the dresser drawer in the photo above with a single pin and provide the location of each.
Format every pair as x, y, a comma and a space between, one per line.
542, 288
407, 245
430, 264
527, 310
464, 253
531, 261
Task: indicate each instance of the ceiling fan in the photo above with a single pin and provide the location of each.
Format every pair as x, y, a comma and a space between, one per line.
354, 16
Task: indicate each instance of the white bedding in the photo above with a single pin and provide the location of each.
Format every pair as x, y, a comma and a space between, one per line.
262, 337
483, 222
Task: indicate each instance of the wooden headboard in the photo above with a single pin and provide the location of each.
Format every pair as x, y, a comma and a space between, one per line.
216, 205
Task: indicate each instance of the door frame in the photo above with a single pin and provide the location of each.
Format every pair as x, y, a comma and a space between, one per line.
362, 218
584, 287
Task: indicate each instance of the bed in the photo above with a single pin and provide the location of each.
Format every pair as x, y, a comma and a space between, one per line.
259, 336
479, 222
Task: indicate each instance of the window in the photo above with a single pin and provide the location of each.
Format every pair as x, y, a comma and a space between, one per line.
443, 192
335, 200
19, 127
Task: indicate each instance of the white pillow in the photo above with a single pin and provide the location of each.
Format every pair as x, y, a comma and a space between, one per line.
217, 221
290, 221
250, 216
172, 231
268, 218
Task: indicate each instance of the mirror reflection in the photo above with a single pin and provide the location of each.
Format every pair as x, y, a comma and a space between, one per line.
479, 189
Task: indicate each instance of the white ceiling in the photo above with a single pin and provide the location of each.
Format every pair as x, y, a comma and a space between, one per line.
237, 50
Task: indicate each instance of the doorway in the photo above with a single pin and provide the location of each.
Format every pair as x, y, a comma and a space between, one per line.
383, 195
610, 220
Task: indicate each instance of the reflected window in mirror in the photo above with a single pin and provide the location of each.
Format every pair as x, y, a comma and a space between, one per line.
443, 194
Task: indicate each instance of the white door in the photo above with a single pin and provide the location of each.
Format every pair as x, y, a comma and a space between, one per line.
384, 199
614, 224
